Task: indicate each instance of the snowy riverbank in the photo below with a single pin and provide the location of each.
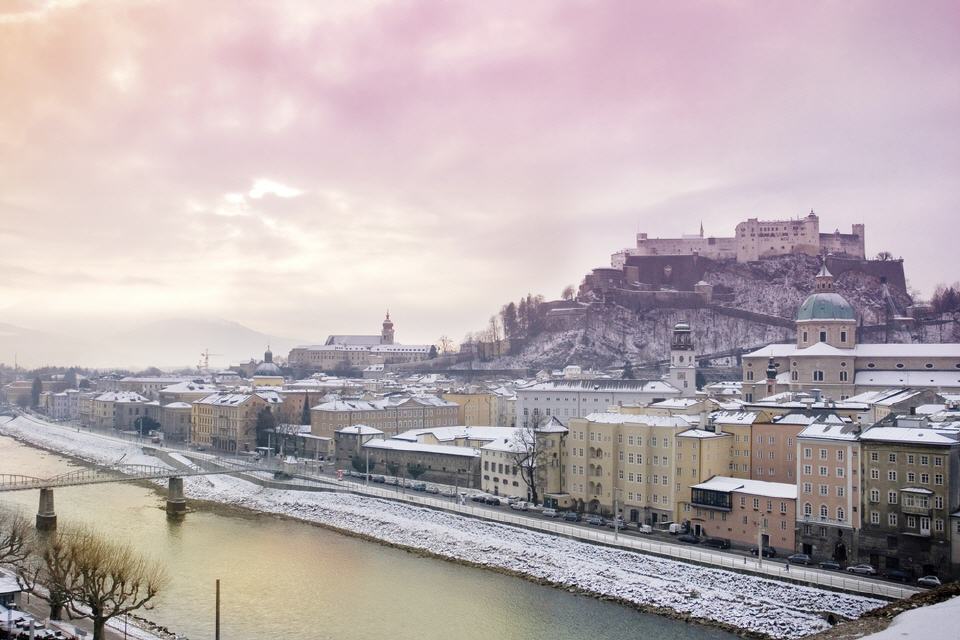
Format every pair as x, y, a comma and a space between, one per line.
749, 603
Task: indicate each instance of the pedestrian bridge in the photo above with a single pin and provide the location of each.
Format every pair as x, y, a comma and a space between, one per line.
99, 475
47, 517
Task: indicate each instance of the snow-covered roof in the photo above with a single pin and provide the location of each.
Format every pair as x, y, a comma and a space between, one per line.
177, 405
360, 429
912, 350
639, 418
734, 417
553, 425
120, 396
911, 435
675, 403
190, 386
396, 444
753, 487
459, 432
831, 431
8, 584
235, 399
702, 434
939, 379
606, 386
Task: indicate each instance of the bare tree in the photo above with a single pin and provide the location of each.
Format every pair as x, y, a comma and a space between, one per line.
15, 538
568, 292
529, 456
100, 579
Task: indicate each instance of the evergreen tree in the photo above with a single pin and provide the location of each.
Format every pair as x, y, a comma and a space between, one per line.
627, 371
35, 392
70, 377
265, 422
305, 416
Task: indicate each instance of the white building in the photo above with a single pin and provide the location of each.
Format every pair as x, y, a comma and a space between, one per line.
566, 399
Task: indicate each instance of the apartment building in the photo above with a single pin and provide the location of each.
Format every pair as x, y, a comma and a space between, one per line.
392, 415
228, 421
911, 489
567, 399
829, 489
746, 512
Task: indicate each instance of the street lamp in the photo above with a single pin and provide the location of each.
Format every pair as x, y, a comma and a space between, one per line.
616, 514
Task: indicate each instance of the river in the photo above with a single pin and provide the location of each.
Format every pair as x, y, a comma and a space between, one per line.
288, 579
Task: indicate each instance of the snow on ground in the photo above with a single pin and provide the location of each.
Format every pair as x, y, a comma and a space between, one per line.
926, 623
82, 444
778, 609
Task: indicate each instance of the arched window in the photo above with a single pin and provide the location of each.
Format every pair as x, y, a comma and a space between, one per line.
823, 511
841, 515
807, 509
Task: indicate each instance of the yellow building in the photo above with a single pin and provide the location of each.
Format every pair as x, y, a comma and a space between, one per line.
228, 421
475, 409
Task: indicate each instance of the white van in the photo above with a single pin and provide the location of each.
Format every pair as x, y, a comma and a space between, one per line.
644, 528
675, 528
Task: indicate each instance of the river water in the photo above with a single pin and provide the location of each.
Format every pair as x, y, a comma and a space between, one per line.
288, 579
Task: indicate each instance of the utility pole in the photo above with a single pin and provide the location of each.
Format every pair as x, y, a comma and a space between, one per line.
367, 477
616, 515
217, 621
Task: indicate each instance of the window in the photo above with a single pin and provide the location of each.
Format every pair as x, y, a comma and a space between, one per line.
807, 469
937, 479
911, 522
892, 476
924, 478
892, 457
874, 456
911, 476
874, 495
749, 376
839, 472
807, 453
843, 376
892, 519
818, 376
839, 455
891, 497
807, 509
841, 514
823, 454
938, 525
824, 471
823, 511
937, 461
874, 517
843, 336
823, 336
910, 458
756, 504
938, 502
783, 507
824, 490
840, 492
874, 474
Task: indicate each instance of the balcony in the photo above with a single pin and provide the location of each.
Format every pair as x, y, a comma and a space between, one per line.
915, 510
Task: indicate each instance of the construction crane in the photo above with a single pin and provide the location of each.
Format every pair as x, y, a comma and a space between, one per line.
205, 359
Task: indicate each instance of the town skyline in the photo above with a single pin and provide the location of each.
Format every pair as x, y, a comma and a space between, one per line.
281, 171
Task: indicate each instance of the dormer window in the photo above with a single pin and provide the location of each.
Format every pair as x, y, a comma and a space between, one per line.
843, 336
823, 336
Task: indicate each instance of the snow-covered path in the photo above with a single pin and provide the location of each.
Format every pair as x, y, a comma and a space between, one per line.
751, 603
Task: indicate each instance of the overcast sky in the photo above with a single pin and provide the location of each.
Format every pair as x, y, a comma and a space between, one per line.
301, 166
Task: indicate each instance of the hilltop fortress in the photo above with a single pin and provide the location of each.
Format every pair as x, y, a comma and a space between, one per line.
753, 239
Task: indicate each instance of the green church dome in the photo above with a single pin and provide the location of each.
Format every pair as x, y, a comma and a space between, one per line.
826, 306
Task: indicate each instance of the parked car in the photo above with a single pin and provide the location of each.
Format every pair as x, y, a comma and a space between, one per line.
432, 489
478, 497
897, 574
929, 581
862, 569
595, 521
394, 481
644, 528
768, 552
617, 523
379, 479
550, 513
520, 505
493, 501
830, 565
689, 538
449, 493
419, 486
571, 516
675, 528
799, 558
717, 543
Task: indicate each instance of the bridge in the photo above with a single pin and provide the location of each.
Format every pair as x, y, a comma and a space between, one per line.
46, 515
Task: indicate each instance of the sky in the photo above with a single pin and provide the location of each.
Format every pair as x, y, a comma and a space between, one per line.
301, 167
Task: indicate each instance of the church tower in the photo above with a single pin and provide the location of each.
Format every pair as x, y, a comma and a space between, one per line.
683, 362
386, 336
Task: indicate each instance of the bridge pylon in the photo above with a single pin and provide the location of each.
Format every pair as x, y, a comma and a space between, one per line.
176, 503
46, 516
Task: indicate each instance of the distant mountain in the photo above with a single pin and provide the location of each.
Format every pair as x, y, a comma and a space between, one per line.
36, 348
167, 343
178, 342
